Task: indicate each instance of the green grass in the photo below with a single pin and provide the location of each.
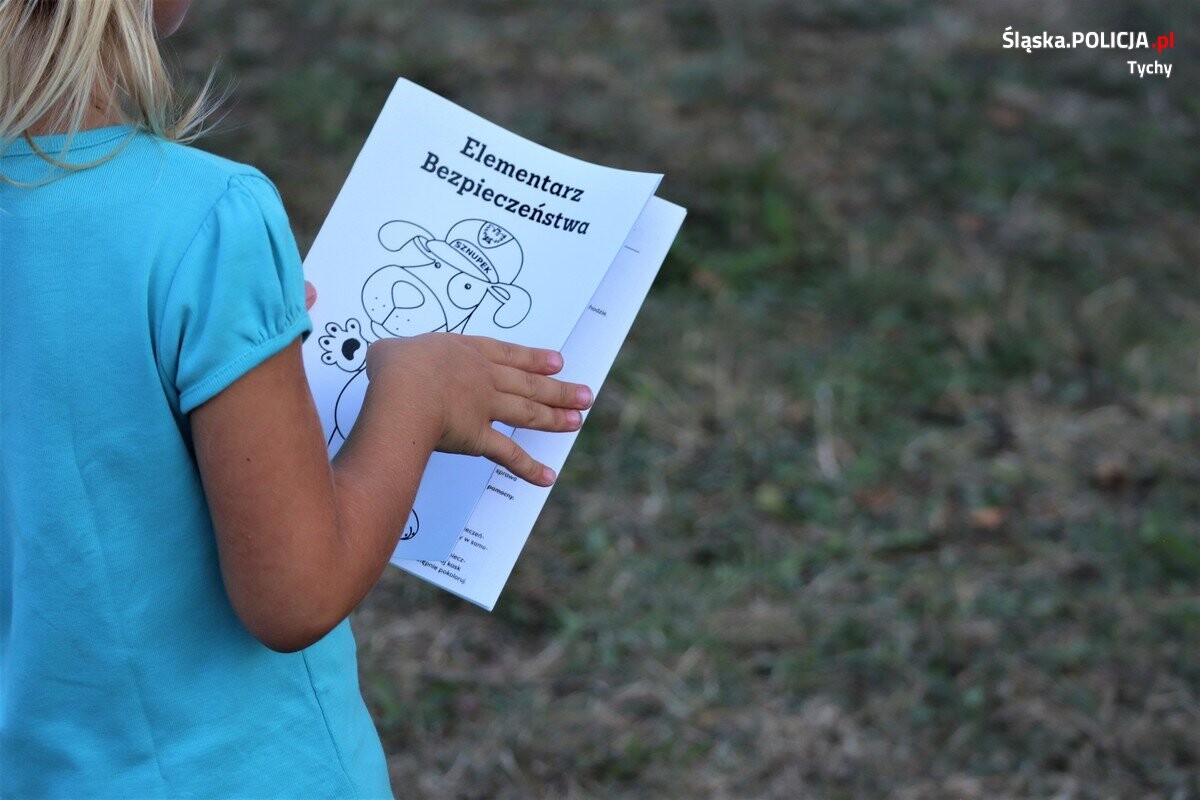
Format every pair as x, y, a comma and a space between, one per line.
892, 491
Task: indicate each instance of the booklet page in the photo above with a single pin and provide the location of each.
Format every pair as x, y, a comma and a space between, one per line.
448, 222
492, 539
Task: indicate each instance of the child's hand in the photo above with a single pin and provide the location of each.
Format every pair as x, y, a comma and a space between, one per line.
301, 540
472, 381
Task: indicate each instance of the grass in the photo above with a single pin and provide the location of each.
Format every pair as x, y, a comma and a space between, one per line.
892, 491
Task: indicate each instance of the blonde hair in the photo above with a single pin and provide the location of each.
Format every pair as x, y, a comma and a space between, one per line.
58, 58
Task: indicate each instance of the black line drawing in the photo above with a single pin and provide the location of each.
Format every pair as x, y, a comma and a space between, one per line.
344, 347
439, 284
434, 285
414, 525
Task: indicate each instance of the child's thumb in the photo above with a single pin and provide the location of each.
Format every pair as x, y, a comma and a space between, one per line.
310, 295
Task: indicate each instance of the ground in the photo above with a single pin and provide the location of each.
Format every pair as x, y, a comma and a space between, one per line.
893, 491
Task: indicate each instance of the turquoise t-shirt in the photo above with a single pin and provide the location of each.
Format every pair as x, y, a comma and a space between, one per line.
130, 293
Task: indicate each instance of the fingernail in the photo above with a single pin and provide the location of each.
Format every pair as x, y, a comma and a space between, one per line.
574, 418
555, 360
310, 294
548, 475
584, 395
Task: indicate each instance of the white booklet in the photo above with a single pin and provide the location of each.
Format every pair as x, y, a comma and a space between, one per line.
448, 222
489, 544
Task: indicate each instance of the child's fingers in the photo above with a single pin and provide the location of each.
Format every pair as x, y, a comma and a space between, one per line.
510, 455
507, 354
541, 389
522, 412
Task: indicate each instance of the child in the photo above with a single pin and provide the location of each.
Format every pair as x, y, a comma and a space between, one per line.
177, 555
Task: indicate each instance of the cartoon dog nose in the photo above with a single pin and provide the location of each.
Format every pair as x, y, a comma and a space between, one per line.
349, 348
406, 295
400, 304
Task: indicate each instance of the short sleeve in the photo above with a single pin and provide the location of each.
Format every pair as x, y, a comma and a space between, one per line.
236, 297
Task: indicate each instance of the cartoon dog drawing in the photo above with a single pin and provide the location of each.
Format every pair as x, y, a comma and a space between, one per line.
344, 347
439, 284
433, 285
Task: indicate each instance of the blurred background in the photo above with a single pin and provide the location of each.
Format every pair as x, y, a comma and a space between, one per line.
893, 490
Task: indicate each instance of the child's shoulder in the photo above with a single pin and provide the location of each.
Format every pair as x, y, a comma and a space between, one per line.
182, 191
207, 176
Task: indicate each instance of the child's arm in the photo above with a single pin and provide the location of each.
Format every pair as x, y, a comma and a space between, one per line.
301, 542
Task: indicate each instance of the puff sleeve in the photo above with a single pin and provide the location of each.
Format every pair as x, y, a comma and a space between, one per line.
236, 297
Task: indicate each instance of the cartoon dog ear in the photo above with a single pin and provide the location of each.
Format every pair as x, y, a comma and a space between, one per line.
396, 234
514, 304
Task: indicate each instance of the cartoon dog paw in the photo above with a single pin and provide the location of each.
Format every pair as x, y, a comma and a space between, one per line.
344, 346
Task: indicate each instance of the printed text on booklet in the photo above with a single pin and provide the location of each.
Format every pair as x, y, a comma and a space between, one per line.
448, 222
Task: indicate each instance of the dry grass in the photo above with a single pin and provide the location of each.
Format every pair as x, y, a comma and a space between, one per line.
893, 490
